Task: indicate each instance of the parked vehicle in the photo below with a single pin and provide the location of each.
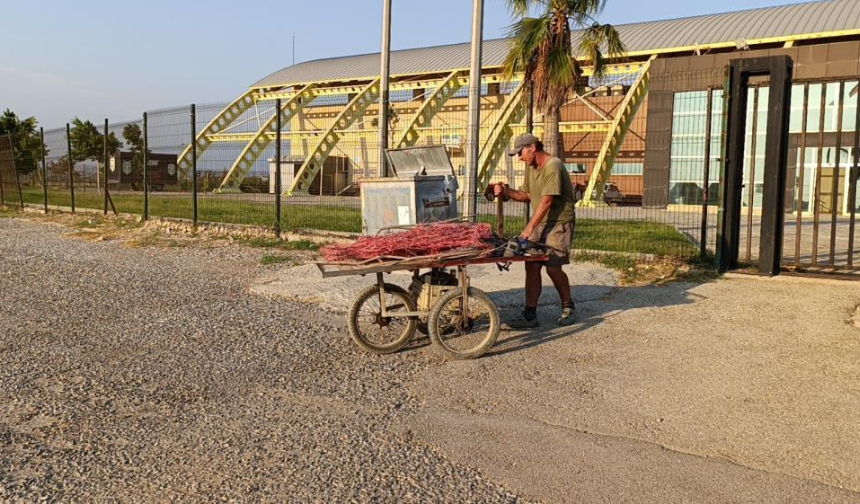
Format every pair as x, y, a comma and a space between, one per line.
611, 194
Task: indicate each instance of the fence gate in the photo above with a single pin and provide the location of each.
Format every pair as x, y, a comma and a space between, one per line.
824, 147
741, 183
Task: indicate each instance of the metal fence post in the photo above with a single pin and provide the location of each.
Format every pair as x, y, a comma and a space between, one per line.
703, 245
470, 194
71, 166
104, 167
17, 177
194, 160
2, 193
383, 90
145, 169
278, 168
44, 167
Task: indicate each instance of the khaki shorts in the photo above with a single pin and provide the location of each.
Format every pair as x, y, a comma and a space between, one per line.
558, 236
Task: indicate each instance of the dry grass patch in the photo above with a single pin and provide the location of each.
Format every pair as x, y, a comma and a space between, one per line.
636, 272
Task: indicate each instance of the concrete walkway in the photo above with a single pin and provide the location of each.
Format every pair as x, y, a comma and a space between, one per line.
742, 389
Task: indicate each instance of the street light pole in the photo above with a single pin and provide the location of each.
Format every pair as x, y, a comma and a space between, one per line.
383, 86
470, 194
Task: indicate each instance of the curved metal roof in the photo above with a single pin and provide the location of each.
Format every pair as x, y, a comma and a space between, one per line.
810, 18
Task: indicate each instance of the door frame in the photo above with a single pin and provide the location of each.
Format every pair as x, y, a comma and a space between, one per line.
780, 70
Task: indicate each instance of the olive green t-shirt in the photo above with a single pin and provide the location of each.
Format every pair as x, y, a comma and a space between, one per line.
551, 180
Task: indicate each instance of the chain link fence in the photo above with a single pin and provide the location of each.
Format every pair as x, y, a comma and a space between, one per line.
147, 165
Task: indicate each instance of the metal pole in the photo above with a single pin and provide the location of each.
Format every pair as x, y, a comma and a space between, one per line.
750, 183
145, 169
383, 87
278, 187
104, 168
472, 142
11, 152
71, 166
194, 160
44, 167
800, 181
703, 242
530, 120
17, 175
834, 188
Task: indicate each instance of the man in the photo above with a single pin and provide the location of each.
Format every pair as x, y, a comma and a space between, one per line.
547, 187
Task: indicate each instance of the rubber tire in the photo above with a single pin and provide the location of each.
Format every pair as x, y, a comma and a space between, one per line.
364, 296
486, 343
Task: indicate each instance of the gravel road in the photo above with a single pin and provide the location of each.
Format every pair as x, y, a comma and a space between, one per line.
193, 374
154, 375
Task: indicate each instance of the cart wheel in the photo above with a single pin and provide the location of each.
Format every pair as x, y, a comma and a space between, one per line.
462, 337
378, 334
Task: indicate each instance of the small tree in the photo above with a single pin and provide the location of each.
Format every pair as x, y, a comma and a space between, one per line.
542, 49
88, 141
26, 144
133, 137
88, 144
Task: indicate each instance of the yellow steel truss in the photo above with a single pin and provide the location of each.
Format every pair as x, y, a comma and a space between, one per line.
490, 75
354, 110
431, 106
500, 136
615, 137
372, 133
222, 121
264, 136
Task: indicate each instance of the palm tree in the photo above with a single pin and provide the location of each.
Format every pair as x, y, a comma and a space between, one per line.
541, 49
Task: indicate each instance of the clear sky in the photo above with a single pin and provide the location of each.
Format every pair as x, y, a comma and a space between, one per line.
115, 59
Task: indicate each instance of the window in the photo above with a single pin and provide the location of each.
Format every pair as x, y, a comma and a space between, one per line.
689, 127
849, 105
796, 118
627, 168
575, 167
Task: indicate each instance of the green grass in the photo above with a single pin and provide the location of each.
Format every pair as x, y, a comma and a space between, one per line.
627, 236
270, 259
211, 209
274, 243
632, 237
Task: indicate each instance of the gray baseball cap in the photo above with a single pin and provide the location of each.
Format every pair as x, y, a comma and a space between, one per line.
522, 141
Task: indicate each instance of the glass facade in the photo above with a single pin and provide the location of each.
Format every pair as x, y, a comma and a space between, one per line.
826, 147
821, 148
689, 129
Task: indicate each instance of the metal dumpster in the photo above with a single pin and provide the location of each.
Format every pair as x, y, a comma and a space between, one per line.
424, 189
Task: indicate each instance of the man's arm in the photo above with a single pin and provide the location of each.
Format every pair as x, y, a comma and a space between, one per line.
515, 194
540, 212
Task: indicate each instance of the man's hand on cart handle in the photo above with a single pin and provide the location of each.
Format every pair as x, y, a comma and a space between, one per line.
500, 189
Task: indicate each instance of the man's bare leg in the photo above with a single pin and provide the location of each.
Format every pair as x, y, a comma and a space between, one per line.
533, 284
561, 282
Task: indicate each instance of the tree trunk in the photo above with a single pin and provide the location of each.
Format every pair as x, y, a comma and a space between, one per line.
551, 135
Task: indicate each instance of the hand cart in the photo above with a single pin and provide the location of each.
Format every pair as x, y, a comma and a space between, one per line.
384, 317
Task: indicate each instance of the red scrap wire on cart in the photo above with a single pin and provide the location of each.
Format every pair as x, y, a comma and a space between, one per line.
421, 240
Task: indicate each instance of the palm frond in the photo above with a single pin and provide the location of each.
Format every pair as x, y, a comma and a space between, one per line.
520, 8
560, 75
584, 12
525, 37
596, 39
